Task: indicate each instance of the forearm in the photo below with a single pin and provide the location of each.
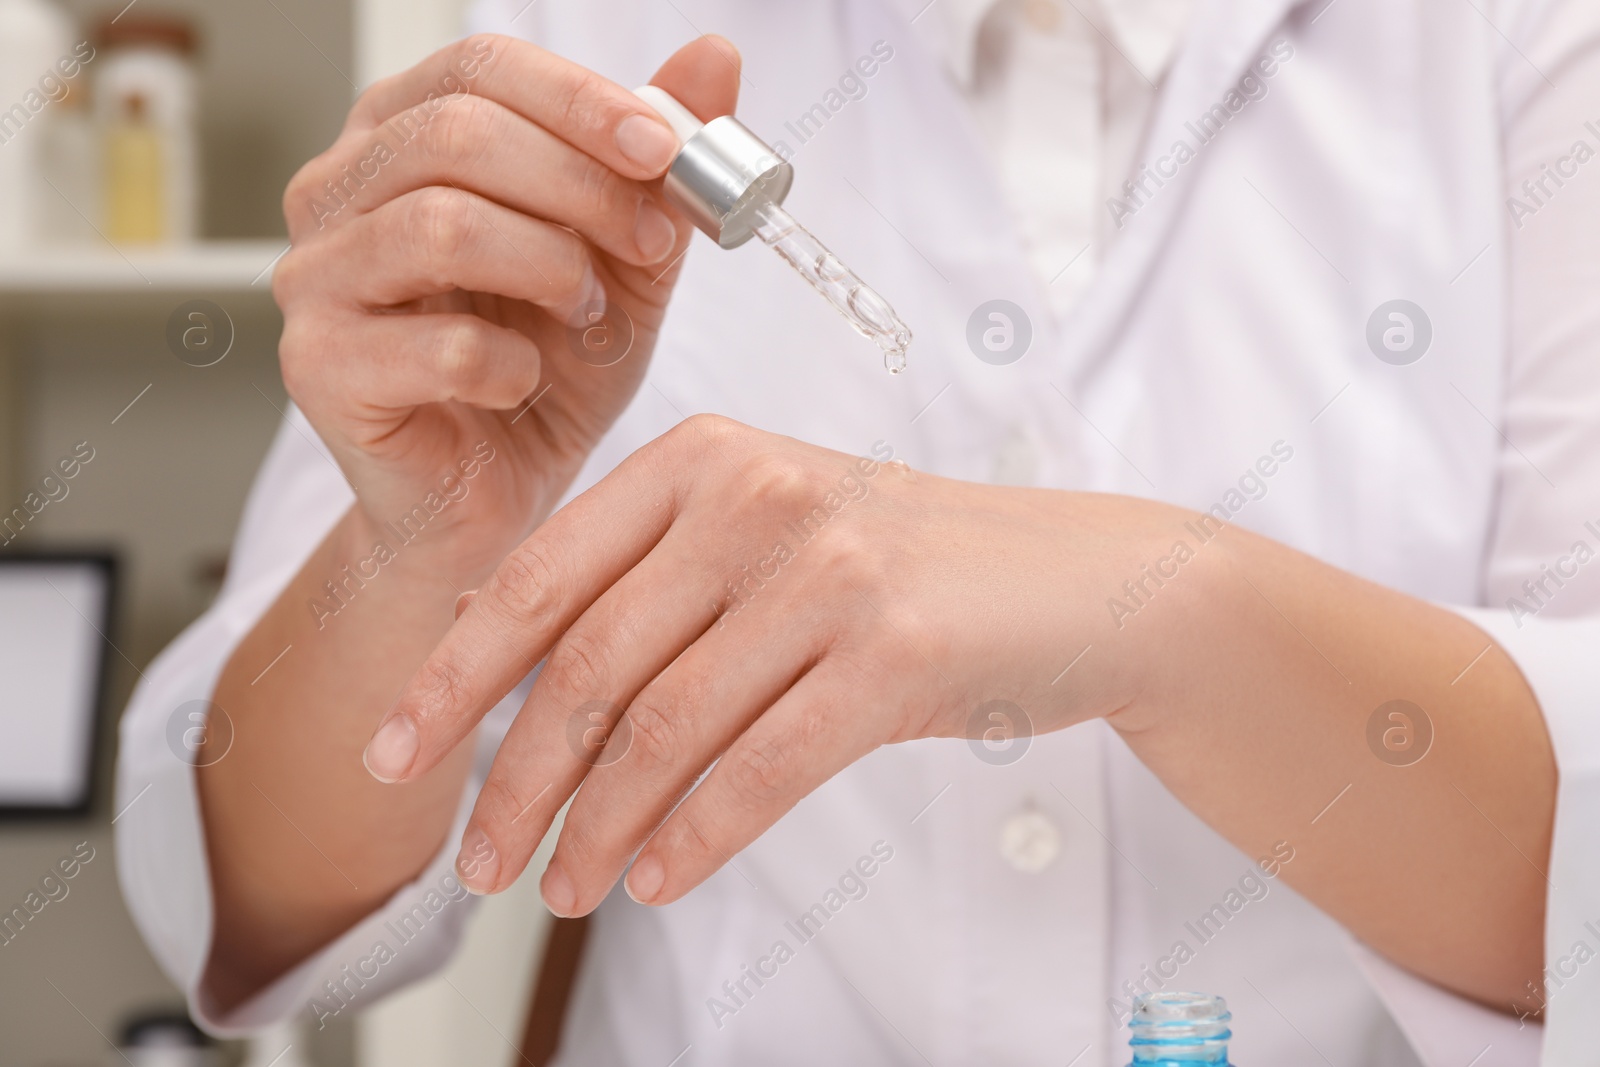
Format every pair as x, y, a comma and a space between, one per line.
302, 841
1270, 667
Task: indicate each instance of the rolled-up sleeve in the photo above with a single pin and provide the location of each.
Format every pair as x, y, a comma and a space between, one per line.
1541, 583
161, 859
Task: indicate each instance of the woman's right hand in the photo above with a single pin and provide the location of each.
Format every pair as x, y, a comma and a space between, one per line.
469, 209
452, 254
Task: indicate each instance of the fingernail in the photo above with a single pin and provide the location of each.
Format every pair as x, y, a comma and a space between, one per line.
646, 142
653, 232
464, 601
392, 750
645, 880
477, 864
556, 888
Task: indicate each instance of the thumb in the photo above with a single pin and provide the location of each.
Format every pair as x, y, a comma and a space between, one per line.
704, 76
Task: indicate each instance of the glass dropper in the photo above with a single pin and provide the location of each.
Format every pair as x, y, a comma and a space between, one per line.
732, 185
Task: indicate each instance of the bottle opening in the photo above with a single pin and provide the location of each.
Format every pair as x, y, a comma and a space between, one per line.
1179, 1030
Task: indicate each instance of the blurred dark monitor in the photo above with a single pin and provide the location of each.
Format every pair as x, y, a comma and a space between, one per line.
55, 611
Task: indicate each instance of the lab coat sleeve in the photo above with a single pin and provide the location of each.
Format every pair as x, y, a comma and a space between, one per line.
1541, 584
1560, 658
161, 859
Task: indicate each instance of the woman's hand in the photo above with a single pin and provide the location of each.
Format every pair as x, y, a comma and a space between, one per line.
773, 606
472, 209
453, 253
782, 610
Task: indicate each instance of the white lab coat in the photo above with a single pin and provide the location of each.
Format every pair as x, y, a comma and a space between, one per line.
1230, 317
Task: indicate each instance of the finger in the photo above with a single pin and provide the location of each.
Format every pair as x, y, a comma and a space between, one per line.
703, 76
477, 144
567, 725
437, 240
532, 598
400, 361
593, 114
806, 738
677, 725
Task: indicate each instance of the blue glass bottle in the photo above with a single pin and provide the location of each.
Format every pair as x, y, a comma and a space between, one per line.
1179, 1030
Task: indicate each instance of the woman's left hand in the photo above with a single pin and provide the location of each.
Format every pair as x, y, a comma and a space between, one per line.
732, 596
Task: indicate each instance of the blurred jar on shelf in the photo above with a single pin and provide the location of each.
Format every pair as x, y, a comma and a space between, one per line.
70, 166
36, 54
146, 108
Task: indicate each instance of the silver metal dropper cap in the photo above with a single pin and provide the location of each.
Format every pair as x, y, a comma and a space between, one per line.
723, 173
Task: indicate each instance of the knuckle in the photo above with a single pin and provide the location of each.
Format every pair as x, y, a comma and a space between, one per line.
443, 226
477, 49
565, 266
658, 733
462, 355
598, 190
439, 684
580, 665
288, 277
697, 431
497, 804
366, 101
526, 582
581, 102
779, 480
298, 191
467, 128
690, 839
759, 773
298, 361
582, 843
847, 550
716, 427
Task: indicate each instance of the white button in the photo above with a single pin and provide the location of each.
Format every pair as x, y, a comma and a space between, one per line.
1029, 841
1043, 15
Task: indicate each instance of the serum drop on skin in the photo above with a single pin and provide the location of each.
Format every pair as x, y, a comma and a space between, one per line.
732, 185
1179, 1030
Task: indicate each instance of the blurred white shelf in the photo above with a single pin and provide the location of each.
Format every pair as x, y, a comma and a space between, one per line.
209, 267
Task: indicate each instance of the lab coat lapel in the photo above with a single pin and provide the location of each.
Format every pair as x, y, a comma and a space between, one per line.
1224, 38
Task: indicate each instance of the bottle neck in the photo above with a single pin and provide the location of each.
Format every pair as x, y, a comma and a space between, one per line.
1179, 1030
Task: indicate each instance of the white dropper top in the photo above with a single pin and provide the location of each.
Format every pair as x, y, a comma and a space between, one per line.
683, 121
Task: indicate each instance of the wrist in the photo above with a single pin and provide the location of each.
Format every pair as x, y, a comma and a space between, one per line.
1166, 612
452, 556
